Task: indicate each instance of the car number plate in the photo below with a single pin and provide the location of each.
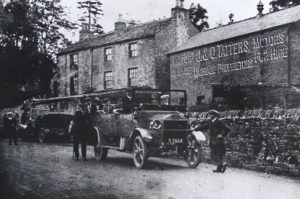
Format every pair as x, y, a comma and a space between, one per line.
175, 141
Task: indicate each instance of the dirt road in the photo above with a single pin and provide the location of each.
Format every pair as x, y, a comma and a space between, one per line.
33, 170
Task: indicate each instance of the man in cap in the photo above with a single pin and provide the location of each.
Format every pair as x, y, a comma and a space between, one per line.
81, 128
10, 128
218, 130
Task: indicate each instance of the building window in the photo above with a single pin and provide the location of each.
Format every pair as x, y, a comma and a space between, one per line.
108, 54
133, 50
74, 61
74, 85
132, 76
107, 79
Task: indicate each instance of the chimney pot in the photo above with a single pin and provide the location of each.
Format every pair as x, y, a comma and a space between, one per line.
260, 8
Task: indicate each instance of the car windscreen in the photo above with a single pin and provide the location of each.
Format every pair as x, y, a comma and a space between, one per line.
166, 100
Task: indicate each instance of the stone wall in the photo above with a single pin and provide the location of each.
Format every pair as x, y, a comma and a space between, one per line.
266, 141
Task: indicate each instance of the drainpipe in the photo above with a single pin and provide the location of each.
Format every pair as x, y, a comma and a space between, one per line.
92, 68
289, 54
289, 64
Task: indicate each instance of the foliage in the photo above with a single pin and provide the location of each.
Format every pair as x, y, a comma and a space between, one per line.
276, 4
91, 13
198, 16
29, 40
49, 19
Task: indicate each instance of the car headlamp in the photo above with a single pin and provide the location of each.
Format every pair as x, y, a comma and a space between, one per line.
156, 124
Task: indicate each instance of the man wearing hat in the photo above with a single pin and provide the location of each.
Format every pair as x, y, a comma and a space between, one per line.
218, 130
81, 128
10, 128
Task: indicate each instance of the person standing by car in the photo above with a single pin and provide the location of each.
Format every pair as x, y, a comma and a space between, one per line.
10, 128
81, 129
218, 130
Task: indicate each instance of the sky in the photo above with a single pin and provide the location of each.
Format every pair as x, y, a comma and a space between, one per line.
148, 10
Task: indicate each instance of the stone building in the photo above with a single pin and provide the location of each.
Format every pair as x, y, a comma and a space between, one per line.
129, 56
254, 63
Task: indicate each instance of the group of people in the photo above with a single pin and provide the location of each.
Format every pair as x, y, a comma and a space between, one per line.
82, 127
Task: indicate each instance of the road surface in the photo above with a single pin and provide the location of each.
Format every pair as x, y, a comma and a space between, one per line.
34, 170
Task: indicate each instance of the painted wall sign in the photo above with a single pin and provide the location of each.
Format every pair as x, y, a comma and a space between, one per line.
228, 57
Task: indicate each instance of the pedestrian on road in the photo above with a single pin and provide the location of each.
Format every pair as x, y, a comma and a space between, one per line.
218, 130
10, 128
81, 129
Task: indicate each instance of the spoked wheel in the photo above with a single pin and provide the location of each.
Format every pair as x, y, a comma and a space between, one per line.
194, 153
100, 153
140, 152
42, 135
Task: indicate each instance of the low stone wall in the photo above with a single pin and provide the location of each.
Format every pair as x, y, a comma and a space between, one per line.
267, 141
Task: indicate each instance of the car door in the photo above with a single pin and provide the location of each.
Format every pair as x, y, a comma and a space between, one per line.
125, 125
107, 124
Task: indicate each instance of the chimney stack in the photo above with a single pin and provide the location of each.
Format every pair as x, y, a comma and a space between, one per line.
260, 8
120, 24
85, 32
182, 3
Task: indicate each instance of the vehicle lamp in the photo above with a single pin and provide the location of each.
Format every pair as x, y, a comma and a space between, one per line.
156, 125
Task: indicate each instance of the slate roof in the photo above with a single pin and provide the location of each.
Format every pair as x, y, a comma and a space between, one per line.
117, 36
255, 24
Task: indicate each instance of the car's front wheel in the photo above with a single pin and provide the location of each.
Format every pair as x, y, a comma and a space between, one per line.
140, 152
42, 135
194, 153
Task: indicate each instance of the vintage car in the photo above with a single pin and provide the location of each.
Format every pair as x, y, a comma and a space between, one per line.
146, 122
54, 126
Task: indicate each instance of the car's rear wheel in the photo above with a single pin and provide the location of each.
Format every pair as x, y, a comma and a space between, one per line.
194, 153
42, 135
100, 153
140, 152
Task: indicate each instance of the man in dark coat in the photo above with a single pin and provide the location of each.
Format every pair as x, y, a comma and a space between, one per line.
10, 128
81, 130
218, 130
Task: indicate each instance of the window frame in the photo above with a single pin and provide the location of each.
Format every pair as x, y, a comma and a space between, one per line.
108, 86
108, 57
73, 64
133, 52
135, 75
74, 85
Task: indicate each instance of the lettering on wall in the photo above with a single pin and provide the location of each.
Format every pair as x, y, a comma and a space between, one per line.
229, 57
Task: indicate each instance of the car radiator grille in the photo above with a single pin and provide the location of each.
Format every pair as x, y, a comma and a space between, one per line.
175, 130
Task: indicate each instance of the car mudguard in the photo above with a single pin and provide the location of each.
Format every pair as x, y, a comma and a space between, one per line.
99, 135
199, 135
146, 135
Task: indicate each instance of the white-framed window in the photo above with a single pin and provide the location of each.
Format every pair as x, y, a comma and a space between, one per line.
74, 61
74, 85
132, 76
108, 54
107, 79
133, 51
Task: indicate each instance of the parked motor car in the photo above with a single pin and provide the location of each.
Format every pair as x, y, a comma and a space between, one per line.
147, 123
54, 125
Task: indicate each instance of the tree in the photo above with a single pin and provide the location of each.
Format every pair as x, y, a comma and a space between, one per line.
29, 39
198, 17
276, 4
91, 13
50, 19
